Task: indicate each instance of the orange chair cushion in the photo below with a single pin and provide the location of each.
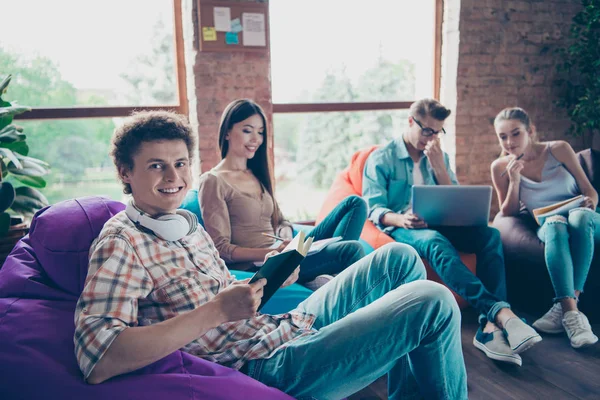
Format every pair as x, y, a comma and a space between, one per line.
349, 182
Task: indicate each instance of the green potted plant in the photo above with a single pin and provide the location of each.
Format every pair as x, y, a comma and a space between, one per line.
578, 73
17, 167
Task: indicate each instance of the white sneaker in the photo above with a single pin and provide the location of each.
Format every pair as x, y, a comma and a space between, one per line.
520, 336
551, 322
578, 329
495, 346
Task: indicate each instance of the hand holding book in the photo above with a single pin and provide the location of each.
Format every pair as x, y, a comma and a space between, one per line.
560, 208
278, 268
588, 203
240, 300
292, 278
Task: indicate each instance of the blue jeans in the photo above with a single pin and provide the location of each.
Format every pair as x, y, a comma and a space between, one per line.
378, 316
346, 220
569, 248
486, 291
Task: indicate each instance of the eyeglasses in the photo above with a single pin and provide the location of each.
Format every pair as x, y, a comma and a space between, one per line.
428, 131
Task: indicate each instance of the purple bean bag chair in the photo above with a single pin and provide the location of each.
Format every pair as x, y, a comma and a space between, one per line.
40, 283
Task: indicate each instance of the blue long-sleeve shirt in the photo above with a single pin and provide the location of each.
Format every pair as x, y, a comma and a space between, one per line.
388, 179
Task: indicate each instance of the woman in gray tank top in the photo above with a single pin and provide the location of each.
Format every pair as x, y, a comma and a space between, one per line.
535, 174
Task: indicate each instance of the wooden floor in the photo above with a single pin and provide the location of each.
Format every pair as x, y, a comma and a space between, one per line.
551, 370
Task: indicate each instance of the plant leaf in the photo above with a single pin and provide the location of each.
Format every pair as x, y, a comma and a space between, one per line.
27, 169
4, 84
4, 223
9, 128
10, 134
7, 195
25, 208
4, 168
33, 161
13, 110
24, 202
33, 181
11, 156
27, 191
5, 121
17, 147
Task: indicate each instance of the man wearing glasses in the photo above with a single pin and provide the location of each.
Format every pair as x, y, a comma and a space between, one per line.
416, 158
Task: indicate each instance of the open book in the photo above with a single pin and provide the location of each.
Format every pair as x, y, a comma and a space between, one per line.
321, 244
314, 249
560, 208
279, 267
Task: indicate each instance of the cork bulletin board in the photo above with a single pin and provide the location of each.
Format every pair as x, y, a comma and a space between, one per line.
229, 26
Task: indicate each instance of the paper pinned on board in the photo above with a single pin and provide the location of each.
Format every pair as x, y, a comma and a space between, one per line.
236, 25
231, 38
209, 34
222, 16
254, 33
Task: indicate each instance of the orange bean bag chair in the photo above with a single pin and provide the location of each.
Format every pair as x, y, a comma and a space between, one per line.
349, 182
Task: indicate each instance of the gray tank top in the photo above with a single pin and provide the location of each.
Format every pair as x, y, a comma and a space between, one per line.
557, 185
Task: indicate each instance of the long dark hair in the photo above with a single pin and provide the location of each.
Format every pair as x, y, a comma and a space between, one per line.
238, 111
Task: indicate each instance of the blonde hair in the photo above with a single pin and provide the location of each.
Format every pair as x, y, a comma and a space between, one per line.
429, 107
517, 114
514, 113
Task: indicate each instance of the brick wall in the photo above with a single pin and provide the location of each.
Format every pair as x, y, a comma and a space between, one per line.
220, 78
506, 57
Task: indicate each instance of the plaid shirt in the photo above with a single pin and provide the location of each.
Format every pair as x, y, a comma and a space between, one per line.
135, 278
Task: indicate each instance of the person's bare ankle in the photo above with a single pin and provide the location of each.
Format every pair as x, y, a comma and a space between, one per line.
568, 304
490, 327
504, 315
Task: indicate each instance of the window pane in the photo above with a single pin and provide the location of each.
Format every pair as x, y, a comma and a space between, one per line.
343, 51
311, 149
89, 53
77, 151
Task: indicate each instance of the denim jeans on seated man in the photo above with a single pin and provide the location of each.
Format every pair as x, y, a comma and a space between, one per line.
486, 291
387, 186
388, 178
378, 316
346, 220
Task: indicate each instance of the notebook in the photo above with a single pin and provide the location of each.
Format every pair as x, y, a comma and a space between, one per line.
560, 208
314, 248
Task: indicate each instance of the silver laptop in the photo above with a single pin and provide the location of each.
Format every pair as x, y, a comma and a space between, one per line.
452, 205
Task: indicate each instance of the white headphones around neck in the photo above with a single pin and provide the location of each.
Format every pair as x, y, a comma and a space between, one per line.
170, 227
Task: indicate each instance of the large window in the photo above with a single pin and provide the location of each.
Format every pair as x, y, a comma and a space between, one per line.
82, 66
77, 150
343, 76
311, 148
